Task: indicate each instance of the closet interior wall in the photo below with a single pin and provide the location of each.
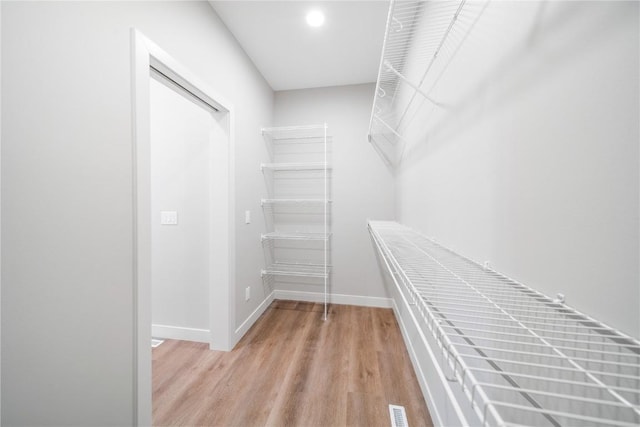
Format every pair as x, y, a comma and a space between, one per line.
362, 188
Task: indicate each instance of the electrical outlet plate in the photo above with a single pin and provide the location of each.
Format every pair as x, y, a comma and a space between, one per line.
247, 293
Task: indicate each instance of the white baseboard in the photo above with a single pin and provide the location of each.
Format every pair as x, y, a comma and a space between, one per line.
179, 333
246, 325
363, 301
308, 297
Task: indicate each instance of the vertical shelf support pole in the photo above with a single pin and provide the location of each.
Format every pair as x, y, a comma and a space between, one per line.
326, 231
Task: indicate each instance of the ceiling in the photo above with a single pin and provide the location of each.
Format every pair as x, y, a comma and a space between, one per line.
292, 55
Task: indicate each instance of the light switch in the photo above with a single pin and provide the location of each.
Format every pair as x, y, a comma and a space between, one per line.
168, 218
247, 217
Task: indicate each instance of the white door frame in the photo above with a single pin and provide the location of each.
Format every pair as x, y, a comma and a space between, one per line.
144, 55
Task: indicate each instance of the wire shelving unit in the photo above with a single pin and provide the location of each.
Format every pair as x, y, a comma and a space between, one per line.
296, 236
294, 201
295, 134
300, 166
421, 39
297, 211
520, 357
297, 270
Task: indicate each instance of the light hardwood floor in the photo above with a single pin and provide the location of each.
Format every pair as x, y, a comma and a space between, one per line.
292, 369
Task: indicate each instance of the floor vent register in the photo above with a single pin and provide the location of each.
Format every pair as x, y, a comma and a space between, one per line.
398, 416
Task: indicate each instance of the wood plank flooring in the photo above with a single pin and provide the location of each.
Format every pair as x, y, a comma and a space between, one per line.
292, 369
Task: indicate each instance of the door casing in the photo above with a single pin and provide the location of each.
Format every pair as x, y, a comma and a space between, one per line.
144, 55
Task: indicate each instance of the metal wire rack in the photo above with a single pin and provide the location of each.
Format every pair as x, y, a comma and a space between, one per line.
300, 166
297, 209
421, 39
296, 236
294, 133
294, 201
297, 270
520, 357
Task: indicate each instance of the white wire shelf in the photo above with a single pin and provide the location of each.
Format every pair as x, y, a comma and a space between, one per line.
296, 236
421, 39
297, 270
521, 357
294, 202
310, 166
292, 133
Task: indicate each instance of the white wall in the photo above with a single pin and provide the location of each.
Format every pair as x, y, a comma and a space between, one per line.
181, 149
534, 166
67, 297
362, 187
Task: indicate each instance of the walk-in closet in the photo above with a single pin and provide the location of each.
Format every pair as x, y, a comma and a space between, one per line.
320, 213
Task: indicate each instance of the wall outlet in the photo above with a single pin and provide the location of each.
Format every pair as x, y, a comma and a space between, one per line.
247, 217
247, 293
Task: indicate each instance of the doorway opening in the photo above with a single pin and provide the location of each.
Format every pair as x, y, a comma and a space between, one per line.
214, 210
184, 140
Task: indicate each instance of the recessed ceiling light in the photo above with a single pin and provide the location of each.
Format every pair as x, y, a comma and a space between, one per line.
315, 18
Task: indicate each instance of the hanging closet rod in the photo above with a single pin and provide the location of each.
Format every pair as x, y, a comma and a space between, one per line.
157, 73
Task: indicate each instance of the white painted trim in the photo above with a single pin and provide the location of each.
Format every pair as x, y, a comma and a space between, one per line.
145, 53
253, 317
180, 333
307, 297
341, 299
